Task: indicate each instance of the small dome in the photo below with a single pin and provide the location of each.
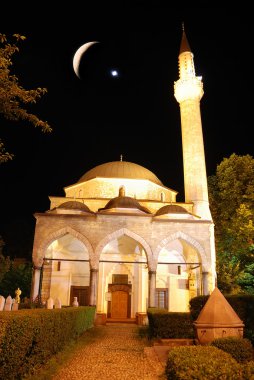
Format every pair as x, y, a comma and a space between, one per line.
74, 205
120, 169
171, 209
124, 202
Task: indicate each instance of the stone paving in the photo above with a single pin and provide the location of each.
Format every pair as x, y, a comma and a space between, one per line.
117, 353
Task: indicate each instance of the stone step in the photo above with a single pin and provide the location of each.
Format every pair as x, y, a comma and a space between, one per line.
116, 320
174, 342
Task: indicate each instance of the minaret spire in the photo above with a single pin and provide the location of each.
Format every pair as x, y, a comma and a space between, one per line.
188, 91
184, 46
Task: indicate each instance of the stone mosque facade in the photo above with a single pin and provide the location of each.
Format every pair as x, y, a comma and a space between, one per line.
120, 241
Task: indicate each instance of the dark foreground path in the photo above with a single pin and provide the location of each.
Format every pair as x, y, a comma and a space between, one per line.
114, 352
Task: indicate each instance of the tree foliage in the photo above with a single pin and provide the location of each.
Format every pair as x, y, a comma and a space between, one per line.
5, 262
231, 195
19, 276
14, 99
14, 275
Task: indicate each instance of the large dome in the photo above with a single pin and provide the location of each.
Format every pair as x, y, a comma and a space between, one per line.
120, 169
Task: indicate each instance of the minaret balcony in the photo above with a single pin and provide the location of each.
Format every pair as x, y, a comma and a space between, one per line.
188, 89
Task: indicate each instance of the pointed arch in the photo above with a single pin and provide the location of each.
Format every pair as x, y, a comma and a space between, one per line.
126, 268
181, 235
124, 231
58, 234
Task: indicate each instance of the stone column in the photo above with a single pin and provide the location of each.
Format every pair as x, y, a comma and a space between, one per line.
35, 288
152, 288
205, 283
93, 286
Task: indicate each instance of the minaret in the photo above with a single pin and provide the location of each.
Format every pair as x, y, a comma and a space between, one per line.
188, 91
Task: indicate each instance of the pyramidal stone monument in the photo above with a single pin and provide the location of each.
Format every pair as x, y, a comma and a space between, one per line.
217, 319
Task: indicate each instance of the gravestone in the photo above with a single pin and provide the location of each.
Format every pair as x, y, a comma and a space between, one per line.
15, 306
2, 302
58, 303
8, 304
50, 303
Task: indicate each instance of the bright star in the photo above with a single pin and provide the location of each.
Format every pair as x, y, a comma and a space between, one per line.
114, 73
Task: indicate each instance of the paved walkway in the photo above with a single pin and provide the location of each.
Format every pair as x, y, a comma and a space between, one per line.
114, 352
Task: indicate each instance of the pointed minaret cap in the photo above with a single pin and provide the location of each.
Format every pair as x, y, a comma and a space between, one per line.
184, 43
218, 312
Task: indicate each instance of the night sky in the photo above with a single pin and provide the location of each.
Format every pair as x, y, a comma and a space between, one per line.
97, 118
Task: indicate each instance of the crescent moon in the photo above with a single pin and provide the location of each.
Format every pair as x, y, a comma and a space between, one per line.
78, 55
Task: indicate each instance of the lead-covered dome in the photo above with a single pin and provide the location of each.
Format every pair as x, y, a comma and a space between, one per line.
121, 169
123, 202
171, 209
74, 205
71, 207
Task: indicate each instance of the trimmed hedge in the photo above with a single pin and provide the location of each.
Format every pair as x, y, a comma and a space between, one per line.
240, 349
28, 338
202, 362
169, 325
248, 370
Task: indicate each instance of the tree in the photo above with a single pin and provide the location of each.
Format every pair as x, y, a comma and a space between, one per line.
5, 262
13, 276
17, 277
13, 97
231, 195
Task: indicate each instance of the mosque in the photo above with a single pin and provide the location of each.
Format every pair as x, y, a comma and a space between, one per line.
120, 241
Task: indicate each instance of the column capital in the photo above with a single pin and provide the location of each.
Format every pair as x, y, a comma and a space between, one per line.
152, 272
94, 270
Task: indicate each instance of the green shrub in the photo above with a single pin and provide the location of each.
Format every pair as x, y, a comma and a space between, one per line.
143, 332
248, 370
169, 325
201, 362
243, 305
196, 305
28, 338
239, 348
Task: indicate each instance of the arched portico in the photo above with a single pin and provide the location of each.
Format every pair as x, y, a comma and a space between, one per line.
179, 271
123, 261
64, 271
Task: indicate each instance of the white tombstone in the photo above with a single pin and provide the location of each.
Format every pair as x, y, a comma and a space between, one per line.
50, 303
8, 304
75, 302
15, 306
58, 303
2, 302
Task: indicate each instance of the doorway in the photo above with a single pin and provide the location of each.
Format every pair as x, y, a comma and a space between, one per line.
120, 305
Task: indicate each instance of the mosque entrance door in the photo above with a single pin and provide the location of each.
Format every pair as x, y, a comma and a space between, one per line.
120, 305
